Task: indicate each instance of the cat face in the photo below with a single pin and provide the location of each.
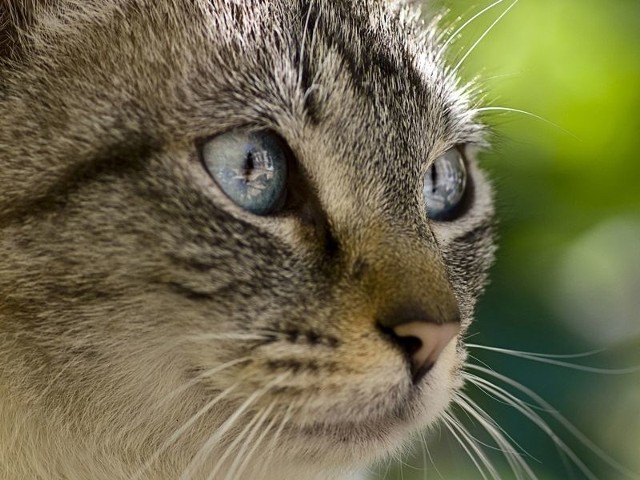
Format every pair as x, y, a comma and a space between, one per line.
158, 309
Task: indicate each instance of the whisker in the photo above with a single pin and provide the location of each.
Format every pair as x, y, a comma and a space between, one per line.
316, 26
477, 42
274, 441
455, 34
566, 463
541, 355
459, 434
230, 448
580, 436
501, 76
208, 446
552, 361
303, 44
179, 432
435, 467
206, 337
240, 456
387, 467
480, 362
515, 460
425, 464
196, 380
526, 113
537, 420
469, 335
484, 444
257, 443
471, 377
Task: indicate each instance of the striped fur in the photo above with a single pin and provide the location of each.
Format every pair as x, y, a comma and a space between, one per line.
126, 275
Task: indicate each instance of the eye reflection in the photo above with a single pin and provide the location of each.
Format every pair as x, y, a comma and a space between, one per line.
444, 185
251, 169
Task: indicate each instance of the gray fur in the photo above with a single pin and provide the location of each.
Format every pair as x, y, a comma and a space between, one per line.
120, 259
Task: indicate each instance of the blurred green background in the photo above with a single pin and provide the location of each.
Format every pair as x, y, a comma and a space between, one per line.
567, 279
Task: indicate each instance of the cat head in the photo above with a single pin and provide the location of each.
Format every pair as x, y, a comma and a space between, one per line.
170, 278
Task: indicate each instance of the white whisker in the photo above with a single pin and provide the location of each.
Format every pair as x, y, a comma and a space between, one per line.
426, 446
501, 76
455, 34
552, 361
241, 458
195, 381
491, 27
257, 443
316, 26
542, 355
537, 420
178, 433
425, 464
274, 441
490, 420
519, 405
230, 448
514, 459
479, 361
526, 113
471, 377
580, 436
465, 442
303, 45
208, 446
206, 337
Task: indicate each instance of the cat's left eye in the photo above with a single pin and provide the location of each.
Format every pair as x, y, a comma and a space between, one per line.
445, 185
250, 167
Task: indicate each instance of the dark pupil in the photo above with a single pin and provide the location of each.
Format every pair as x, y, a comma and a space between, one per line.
251, 169
248, 167
434, 179
254, 175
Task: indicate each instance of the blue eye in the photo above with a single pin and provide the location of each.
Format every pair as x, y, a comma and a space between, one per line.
444, 186
250, 168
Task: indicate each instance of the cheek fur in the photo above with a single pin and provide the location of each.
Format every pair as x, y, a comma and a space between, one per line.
152, 329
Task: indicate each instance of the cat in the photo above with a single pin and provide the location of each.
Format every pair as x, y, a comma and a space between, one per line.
238, 239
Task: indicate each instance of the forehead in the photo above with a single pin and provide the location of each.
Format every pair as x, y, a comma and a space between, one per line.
368, 83
386, 61
290, 53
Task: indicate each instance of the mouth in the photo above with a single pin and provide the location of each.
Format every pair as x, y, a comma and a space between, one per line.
407, 406
422, 372
360, 441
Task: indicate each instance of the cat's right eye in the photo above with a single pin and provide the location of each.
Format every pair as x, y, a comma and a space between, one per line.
251, 168
445, 185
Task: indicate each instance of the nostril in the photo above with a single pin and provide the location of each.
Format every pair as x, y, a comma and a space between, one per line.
410, 345
422, 343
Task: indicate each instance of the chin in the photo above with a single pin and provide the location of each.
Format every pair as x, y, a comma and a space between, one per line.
348, 443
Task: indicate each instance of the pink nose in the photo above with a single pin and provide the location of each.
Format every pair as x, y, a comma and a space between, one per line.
424, 342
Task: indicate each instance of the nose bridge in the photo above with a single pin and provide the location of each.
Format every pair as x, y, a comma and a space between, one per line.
399, 270
406, 279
